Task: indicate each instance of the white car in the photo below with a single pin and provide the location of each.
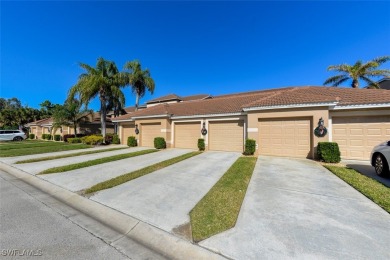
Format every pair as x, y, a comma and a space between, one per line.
12, 135
380, 158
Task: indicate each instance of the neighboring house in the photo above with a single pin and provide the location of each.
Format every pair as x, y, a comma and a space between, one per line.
45, 126
282, 121
383, 83
173, 98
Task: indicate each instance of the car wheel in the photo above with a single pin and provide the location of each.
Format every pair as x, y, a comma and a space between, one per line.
18, 138
381, 166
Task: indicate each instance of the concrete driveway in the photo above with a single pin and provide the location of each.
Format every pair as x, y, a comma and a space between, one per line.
164, 198
84, 178
297, 209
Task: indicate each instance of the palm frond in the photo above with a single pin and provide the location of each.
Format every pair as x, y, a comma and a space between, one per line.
336, 80
370, 82
381, 60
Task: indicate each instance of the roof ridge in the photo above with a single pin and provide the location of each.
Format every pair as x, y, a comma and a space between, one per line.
268, 97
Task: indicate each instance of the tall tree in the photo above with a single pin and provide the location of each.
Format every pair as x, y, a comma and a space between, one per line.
103, 82
139, 80
72, 114
359, 71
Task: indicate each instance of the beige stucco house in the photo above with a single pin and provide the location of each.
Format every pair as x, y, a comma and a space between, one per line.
282, 121
45, 126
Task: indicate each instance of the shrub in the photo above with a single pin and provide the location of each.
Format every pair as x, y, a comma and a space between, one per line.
250, 147
68, 136
31, 136
131, 141
109, 137
116, 139
201, 144
74, 140
159, 143
92, 139
48, 136
43, 136
328, 152
57, 137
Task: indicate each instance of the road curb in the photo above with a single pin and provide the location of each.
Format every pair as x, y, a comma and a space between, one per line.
149, 236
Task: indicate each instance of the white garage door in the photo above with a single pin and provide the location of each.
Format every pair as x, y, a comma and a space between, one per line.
127, 130
148, 132
187, 135
357, 136
289, 137
226, 135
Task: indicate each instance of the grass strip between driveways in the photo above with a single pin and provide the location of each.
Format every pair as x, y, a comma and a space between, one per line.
218, 210
138, 173
68, 155
375, 191
39, 150
76, 166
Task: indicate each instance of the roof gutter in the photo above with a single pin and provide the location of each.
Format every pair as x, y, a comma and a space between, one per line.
383, 105
209, 115
291, 106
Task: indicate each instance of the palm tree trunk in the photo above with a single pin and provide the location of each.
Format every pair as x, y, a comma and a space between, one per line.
103, 114
136, 101
355, 83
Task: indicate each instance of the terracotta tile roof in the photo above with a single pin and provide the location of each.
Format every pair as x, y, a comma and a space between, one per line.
195, 97
235, 103
164, 98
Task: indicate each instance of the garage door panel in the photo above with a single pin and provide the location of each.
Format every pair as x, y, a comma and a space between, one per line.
358, 135
149, 132
226, 135
286, 138
187, 135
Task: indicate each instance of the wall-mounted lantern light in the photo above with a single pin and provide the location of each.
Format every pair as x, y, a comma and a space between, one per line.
204, 130
136, 129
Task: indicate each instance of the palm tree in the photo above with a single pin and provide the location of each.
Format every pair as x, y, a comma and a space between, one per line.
359, 70
71, 114
138, 79
103, 81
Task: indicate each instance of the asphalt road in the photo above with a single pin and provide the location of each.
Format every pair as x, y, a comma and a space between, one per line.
30, 228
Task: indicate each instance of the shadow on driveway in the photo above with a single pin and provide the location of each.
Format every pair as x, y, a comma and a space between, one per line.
365, 168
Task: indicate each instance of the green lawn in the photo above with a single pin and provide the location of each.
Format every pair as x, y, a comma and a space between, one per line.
75, 166
68, 155
38, 148
133, 175
372, 189
32, 144
219, 208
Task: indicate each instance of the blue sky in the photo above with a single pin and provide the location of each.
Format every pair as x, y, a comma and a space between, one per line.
189, 47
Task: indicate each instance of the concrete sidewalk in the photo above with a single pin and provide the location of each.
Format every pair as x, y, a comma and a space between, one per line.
295, 208
84, 178
37, 167
164, 198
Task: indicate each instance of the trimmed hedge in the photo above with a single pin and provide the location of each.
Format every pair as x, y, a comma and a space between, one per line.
57, 137
72, 136
328, 152
201, 144
131, 141
74, 140
31, 136
250, 147
159, 143
43, 136
92, 139
116, 139
48, 136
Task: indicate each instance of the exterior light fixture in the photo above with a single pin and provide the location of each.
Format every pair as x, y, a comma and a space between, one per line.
136, 129
204, 130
